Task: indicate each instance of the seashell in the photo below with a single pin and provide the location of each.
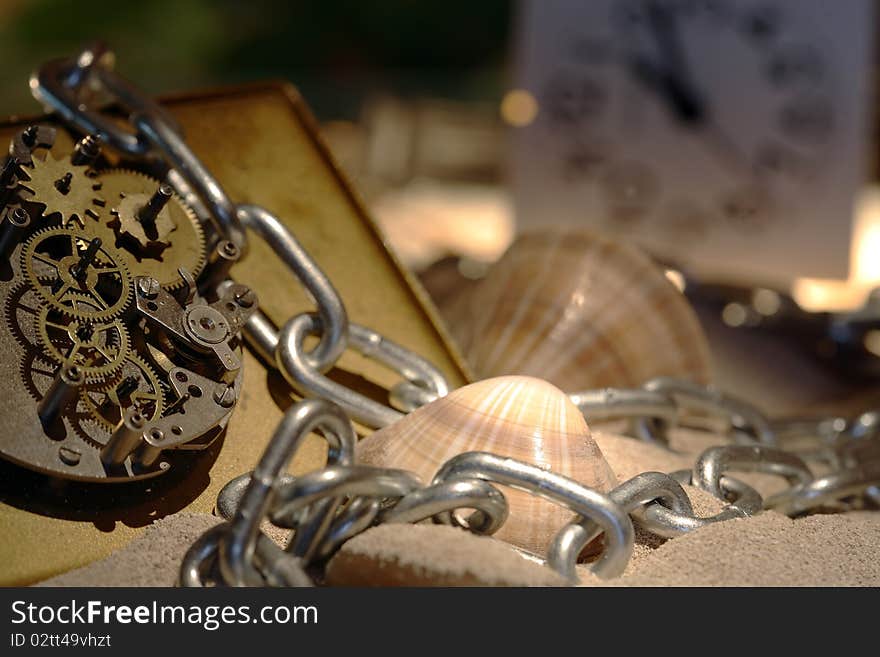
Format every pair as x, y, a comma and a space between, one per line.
582, 311
514, 416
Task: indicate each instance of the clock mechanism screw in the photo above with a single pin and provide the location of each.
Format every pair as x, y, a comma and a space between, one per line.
147, 214
148, 287
80, 269
86, 151
29, 136
12, 230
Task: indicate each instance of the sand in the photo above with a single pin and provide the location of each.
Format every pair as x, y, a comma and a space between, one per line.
433, 555
766, 550
629, 457
152, 559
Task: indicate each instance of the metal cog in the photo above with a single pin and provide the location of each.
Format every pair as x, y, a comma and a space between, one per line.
48, 261
64, 188
182, 246
36, 373
98, 347
91, 431
104, 406
20, 310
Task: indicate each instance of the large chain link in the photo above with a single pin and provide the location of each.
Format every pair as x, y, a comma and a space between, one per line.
327, 507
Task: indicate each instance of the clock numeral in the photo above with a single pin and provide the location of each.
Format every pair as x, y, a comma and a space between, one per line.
747, 208
807, 119
795, 65
685, 220
761, 25
775, 158
583, 162
568, 101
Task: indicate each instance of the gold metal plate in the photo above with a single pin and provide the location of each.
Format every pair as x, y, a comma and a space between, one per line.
262, 144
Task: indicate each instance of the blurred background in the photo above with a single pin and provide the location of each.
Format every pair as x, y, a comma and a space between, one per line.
421, 103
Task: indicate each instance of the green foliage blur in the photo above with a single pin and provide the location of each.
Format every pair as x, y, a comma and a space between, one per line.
336, 51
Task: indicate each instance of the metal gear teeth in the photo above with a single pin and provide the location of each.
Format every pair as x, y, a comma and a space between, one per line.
26, 369
170, 280
10, 306
151, 375
44, 179
93, 374
38, 281
85, 420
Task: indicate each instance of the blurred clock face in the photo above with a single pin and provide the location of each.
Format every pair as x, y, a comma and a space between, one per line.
693, 116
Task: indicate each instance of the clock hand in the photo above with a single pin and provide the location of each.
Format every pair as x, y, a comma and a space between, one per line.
673, 75
671, 80
691, 111
663, 27
685, 105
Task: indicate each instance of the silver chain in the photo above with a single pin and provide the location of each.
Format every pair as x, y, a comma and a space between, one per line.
327, 507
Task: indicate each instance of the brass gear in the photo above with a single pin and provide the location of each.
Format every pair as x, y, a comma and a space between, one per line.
182, 246
37, 374
20, 312
99, 348
62, 187
102, 292
105, 407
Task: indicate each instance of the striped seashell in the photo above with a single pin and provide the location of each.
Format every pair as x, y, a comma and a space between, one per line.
518, 417
581, 311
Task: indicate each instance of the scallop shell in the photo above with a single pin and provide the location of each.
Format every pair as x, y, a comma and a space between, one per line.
581, 311
514, 416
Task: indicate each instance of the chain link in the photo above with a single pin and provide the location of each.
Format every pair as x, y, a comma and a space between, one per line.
664, 403
441, 499
296, 369
832, 490
646, 489
237, 551
715, 461
331, 310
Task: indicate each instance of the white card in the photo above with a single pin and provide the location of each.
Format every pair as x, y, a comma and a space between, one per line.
731, 137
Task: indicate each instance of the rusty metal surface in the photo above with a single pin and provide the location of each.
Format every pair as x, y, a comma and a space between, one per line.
263, 146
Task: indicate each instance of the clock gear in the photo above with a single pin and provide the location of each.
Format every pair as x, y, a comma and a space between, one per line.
93, 259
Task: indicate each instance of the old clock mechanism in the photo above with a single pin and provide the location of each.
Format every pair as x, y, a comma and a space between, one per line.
117, 349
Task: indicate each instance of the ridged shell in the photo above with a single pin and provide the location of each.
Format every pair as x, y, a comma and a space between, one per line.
581, 311
515, 416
